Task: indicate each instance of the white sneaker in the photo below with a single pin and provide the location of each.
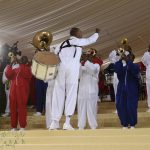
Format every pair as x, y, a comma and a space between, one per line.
31, 107
148, 110
99, 100
38, 114
5, 115
54, 125
81, 128
13, 129
67, 127
124, 128
132, 127
115, 112
22, 129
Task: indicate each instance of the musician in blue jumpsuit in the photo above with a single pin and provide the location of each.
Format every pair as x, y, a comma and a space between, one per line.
41, 88
127, 90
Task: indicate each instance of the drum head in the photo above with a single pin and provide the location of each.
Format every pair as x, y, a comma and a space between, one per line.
47, 58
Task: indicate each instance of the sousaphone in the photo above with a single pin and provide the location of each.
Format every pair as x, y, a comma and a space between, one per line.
44, 63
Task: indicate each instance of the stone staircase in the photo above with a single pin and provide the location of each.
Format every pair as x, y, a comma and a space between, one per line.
106, 118
99, 139
108, 136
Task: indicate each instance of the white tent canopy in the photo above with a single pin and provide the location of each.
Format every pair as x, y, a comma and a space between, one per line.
21, 19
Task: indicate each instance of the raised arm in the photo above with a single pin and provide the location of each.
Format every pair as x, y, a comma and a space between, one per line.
91, 68
84, 41
145, 59
10, 73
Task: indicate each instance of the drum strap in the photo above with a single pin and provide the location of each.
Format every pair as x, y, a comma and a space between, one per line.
68, 45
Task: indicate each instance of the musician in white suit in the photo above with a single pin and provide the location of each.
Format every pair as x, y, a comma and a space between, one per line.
146, 62
66, 83
7, 86
49, 94
113, 58
88, 94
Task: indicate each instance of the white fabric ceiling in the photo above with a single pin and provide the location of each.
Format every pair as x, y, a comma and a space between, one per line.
21, 19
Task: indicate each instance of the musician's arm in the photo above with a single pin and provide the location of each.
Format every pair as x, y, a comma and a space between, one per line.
145, 59
133, 69
118, 67
113, 58
56, 49
93, 69
10, 73
25, 71
84, 41
4, 78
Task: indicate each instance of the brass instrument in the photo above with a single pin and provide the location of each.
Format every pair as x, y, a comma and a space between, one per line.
120, 52
11, 56
124, 47
42, 40
91, 51
44, 63
88, 55
124, 41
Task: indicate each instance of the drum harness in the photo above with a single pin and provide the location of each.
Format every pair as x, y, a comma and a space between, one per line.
68, 45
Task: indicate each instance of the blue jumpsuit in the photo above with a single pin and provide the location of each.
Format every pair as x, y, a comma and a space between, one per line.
127, 92
41, 88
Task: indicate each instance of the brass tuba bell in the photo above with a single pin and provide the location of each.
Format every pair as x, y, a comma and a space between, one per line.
42, 40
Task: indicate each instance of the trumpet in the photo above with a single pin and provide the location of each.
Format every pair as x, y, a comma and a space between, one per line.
120, 52
91, 51
11, 54
124, 41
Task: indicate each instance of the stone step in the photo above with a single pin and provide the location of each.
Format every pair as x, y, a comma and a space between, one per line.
99, 139
108, 120
105, 107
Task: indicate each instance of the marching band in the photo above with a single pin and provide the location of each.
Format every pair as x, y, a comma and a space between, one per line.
69, 77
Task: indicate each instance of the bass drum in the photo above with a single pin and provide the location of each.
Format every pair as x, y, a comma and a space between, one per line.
45, 65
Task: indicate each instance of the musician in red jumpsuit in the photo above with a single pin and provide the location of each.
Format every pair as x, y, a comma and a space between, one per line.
20, 75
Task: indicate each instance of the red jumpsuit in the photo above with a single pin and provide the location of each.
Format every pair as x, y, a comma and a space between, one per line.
20, 75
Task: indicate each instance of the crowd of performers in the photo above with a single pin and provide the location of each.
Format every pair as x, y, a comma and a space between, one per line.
75, 86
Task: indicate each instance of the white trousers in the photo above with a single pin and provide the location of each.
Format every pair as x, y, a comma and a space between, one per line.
148, 92
65, 91
87, 108
7, 110
49, 94
115, 84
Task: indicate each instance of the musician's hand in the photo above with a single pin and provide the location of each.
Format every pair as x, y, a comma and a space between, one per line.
13, 60
97, 30
124, 57
90, 57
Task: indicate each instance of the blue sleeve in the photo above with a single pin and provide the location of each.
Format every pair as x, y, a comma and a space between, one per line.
133, 69
118, 67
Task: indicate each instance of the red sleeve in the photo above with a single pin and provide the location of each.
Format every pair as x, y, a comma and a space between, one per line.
97, 61
10, 73
25, 71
